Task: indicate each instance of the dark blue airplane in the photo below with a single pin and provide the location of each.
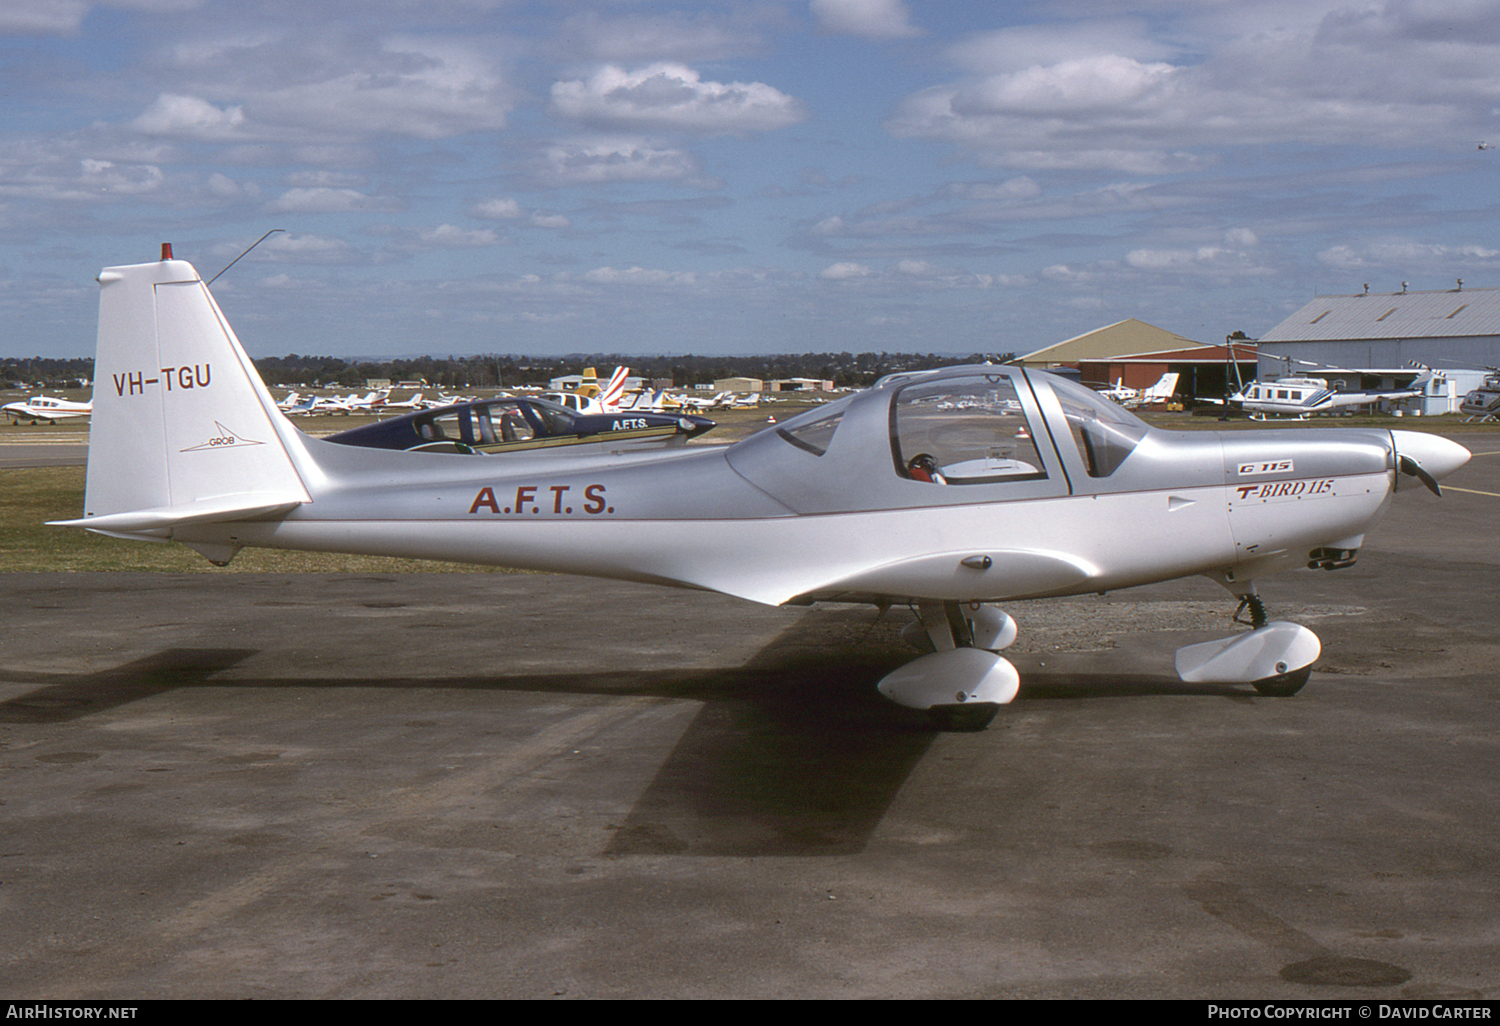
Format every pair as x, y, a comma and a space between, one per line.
517, 424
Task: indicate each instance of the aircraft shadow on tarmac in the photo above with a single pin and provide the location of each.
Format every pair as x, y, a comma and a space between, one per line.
794, 753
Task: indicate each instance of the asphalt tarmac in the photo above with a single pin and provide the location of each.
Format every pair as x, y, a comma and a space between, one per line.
519, 786
16, 456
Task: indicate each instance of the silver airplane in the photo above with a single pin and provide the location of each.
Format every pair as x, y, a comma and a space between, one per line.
948, 491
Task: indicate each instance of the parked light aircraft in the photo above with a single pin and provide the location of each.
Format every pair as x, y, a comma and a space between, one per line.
416, 402
351, 403
650, 400
512, 424
1130, 398
589, 397
45, 407
948, 490
1303, 396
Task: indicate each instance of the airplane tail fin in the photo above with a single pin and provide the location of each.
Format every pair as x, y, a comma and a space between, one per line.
183, 429
1165, 386
610, 397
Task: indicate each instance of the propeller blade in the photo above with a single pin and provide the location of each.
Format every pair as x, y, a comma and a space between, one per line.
1411, 468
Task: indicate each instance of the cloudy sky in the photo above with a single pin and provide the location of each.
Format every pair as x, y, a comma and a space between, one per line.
650, 176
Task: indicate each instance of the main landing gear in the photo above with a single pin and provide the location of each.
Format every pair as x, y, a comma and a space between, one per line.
962, 681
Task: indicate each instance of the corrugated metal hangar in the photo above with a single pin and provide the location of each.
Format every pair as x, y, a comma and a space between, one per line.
1391, 330
1364, 341
1380, 339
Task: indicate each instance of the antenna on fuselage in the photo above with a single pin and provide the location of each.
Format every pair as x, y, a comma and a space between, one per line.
237, 259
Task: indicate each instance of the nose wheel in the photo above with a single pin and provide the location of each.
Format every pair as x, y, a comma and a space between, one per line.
1284, 686
1275, 658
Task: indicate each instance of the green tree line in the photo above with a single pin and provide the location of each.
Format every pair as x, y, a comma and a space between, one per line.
845, 370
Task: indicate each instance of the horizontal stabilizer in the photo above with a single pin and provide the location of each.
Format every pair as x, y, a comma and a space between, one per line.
228, 509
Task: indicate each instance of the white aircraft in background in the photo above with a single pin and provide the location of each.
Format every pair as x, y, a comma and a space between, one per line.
1131, 398
647, 400
1303, 396
46, 407
347, 404
946, 491
416, 402
330, 404
589, 397
361, 403
714, 402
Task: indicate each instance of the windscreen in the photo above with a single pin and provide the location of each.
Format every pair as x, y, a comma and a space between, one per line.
1105, 433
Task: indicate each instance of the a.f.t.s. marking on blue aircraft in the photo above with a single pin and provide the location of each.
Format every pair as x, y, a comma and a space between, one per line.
948, 491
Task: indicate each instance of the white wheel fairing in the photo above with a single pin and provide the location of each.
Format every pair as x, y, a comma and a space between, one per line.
959, 676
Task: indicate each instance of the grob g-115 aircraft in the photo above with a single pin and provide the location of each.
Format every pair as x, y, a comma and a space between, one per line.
947, 490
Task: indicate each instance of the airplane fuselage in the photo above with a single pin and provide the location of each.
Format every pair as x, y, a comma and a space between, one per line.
752, 520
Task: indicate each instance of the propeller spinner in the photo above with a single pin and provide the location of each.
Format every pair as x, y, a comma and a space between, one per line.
1427, 457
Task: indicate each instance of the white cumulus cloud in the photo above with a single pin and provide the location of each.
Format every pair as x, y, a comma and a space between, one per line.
320, 201
422, 88
872, 19
130, 180
598, 161
451, 236
1121, 94
638, 276
498, 210
41, 17
673, 97
1403, 255
845, 272
188, 117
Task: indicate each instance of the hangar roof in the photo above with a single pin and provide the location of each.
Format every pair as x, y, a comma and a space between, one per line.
1446, 314
1123, 338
